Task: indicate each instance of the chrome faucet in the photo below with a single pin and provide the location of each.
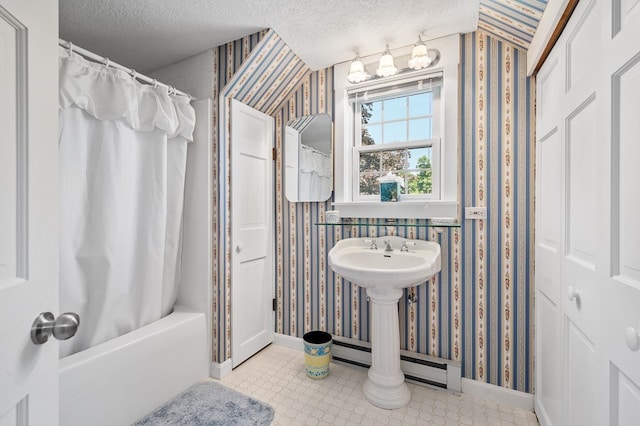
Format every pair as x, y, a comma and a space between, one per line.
404, 246
388, 247
373, 245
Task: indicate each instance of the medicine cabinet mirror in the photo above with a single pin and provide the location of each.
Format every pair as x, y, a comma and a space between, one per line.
308, 158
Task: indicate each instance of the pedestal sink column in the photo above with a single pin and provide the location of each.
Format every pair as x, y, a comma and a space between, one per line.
385, 386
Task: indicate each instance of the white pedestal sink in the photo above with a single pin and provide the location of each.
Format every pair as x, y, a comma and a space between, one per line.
384, 271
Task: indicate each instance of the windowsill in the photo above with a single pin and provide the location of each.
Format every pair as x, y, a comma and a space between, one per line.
398, 210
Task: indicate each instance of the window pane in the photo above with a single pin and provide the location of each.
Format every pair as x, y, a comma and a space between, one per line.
394, 161
419, 183
371, 112
372, 135
395, 132
419, 129
420, 104
369, 161
395, 109
420, 158
369, 184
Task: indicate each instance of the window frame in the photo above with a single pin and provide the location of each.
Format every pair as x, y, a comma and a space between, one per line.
388, 92
448, 205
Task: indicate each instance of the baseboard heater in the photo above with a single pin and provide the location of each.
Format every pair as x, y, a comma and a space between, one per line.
417, 368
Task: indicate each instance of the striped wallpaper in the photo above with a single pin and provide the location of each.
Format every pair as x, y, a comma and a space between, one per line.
479, 308
512, 20
497, 147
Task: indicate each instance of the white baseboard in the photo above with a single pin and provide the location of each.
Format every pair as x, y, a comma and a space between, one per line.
541, 413
290, 342
499, 394
219, 370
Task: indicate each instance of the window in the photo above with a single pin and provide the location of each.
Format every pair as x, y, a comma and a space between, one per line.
397, 131
441, 147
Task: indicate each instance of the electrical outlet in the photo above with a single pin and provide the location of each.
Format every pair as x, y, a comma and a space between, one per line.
475, 213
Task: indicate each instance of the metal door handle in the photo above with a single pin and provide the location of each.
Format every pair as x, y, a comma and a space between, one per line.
62, 328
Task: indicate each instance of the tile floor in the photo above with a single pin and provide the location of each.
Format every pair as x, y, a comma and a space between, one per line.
276, 376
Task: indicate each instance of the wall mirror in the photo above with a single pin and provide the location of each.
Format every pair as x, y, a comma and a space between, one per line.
308, 158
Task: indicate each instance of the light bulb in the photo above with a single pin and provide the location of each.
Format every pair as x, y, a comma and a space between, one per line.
357, 73
386, 67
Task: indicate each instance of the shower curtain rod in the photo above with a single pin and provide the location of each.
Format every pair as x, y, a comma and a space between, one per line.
90, 55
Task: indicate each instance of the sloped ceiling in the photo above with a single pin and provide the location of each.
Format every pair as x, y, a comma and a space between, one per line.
512, 20
149, 34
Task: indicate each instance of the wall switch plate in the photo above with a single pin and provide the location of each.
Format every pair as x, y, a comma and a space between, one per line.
475, 213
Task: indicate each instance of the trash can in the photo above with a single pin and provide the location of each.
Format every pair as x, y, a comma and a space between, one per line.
317, 353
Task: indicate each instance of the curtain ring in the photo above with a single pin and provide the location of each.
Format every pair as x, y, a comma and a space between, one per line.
133, 73
155, 83
106, 62
70, 48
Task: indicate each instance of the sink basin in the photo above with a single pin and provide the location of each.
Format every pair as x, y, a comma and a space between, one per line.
355, 261
384, 271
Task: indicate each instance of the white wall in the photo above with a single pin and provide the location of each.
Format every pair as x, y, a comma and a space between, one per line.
193, 75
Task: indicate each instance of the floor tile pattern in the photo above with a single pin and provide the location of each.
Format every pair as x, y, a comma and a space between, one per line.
276, 376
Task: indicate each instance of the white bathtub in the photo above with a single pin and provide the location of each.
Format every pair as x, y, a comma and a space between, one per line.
117, 382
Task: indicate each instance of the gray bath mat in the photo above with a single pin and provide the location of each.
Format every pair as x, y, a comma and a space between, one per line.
207, 404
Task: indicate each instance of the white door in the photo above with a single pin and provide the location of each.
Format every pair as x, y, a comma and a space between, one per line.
621, 282
588, 233
252, 275
28, 209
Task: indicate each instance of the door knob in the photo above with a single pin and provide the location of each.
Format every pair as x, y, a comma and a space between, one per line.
62, 328
632, 337
572, 293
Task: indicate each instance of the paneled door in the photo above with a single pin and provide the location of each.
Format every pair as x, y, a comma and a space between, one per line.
28, 209
252, 228
621, 296
588, 232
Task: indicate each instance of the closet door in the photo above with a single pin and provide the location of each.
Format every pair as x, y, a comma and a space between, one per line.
622, 280
583, 259
549, 242
588, 233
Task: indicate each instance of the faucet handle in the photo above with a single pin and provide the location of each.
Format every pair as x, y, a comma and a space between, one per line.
404, 246
373, 245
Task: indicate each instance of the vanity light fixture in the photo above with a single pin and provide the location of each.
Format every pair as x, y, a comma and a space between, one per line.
357, 73
386, 67
419, 58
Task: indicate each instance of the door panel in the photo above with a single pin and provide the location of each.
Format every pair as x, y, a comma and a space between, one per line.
548, 353
582, 390
252, 282
625, 399
549, 218
600, 259
626, 174
28, 209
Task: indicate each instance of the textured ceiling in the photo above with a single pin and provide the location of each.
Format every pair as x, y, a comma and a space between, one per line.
148, 34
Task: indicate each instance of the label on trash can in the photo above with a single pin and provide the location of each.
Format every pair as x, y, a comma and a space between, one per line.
317, 354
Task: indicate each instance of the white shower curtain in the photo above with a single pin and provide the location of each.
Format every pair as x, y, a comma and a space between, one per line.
123, 148
315, 174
